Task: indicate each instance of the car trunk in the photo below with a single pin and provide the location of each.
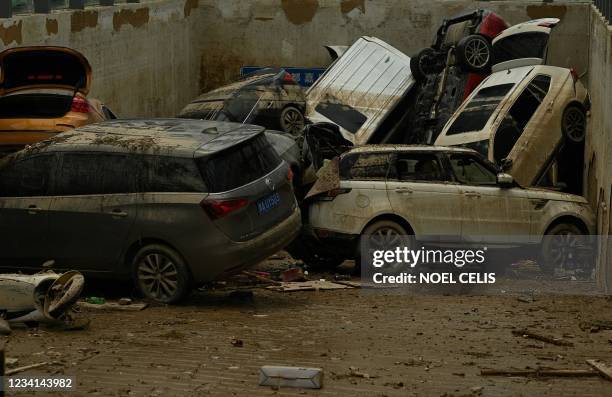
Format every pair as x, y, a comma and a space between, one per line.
249, 188
35, 105
27, 68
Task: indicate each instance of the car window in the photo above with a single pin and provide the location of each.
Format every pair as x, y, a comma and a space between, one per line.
239, 165
479, 110
422, 167
513, 125
27, 178
344, 115
517, 46
170, 174
96, 173
365, 166
469, 170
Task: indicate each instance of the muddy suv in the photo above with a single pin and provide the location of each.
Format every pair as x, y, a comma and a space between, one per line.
172, 203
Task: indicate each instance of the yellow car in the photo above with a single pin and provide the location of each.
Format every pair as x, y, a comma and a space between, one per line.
43, 91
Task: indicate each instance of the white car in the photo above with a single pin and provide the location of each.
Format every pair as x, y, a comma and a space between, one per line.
440, 195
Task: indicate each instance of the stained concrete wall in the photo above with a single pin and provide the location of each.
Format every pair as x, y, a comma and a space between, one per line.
599, 142
293, 32
145, 57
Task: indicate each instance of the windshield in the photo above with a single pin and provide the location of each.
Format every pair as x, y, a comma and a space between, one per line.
477, 113
517, 46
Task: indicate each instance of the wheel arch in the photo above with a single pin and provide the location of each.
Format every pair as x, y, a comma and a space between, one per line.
569, 219
390, 217
132, 250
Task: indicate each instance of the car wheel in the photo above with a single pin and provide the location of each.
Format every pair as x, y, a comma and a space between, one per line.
564, 250
161, 274
574, 123
424, 63
292, 120
382, 235
475, 53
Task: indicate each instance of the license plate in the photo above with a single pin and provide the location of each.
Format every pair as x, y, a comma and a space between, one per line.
267, 203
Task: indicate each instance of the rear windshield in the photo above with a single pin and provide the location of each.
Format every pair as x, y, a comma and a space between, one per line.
34, 106
524, 45
476, 113
239, 165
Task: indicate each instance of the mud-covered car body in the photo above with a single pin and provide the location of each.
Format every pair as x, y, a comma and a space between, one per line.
43, 91
520, 118
440, 195
114, 199
268, 97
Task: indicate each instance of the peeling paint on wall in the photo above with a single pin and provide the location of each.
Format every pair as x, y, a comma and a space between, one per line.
136, 18
546, 11
190, 5
80, 20
52, 26
299, 12
347, 6
11, 33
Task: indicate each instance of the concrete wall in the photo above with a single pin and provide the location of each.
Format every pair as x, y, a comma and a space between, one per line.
293, 32
599, 142
145, 57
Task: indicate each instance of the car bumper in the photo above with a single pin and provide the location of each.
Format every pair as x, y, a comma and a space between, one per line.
235, 256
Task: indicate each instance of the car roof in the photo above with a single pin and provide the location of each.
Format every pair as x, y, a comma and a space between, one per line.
169, 137
409, 148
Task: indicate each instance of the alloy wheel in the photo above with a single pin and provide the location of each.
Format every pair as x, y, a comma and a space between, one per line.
158, 276
292, 120
477, 53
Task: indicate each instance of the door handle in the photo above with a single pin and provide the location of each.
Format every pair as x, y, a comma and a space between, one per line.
472, 194
34, 209
403, 190
118, 213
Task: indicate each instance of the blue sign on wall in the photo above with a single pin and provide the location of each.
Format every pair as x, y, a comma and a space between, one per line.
303, 76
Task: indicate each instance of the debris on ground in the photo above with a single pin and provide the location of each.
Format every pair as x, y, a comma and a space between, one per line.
356, 373
124, 301
5, 328
293, 274
543, 338
237, 342
28, 367
114, 306
95, 300
604, 369
258, 276
540, 372
314, 285
306, 378
596, 326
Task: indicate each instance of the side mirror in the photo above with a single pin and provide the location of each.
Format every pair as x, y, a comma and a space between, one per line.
505, 180
506, 164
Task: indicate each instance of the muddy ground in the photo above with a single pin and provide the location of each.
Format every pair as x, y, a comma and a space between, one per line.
369, 344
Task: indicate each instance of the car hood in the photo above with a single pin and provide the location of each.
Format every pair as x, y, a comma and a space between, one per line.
546, 194
24, 68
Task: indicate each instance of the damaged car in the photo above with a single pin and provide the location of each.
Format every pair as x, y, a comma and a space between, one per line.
169, 203
268, 97
43, 91
440, 196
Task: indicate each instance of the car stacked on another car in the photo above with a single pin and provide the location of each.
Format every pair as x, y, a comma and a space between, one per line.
43, 91
442, 196
171, 203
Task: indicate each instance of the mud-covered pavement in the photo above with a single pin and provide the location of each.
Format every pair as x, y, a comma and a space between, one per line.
367, 344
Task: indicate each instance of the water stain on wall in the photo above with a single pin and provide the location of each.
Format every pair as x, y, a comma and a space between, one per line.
52, 26
190, 5
11, 33
136, 18
299, 12
80, 20
546, 11
347, 6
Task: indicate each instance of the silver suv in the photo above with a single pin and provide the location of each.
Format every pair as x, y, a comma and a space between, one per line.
172, 203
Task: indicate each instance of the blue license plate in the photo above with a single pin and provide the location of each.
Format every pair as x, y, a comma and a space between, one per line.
265, 204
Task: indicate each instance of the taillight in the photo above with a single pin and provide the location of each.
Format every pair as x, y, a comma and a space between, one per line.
80, 105
220, 208
574, 74
288, 78
289, 175
332, 194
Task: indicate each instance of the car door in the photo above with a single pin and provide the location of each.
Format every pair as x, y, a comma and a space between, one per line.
492, 213
419, 191
92, 210
24, 206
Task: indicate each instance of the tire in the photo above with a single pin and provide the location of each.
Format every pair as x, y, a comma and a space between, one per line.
383, 235
574, 123
292, 120
423, 64
160, 274
561, 249
475, 54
